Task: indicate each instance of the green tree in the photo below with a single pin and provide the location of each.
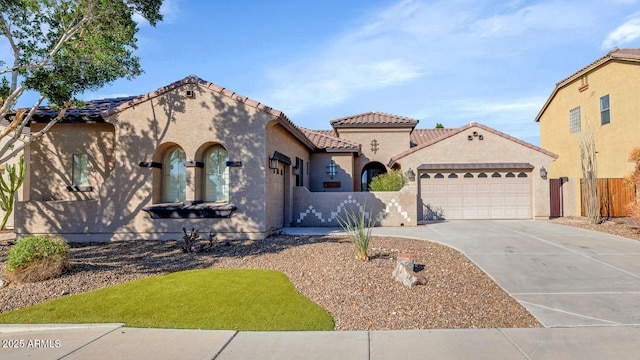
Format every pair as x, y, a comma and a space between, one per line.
61, 48
439, 126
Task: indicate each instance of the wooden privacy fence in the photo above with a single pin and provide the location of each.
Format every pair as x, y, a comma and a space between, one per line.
615, 195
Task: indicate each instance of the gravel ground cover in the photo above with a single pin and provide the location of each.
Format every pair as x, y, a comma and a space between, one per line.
625, 227
359, 295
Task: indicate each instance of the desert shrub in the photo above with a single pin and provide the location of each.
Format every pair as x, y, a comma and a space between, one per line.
358, 226
391, 181
633, 180
36, 258
190, 239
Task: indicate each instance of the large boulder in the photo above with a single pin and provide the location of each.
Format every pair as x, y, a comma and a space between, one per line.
404, 272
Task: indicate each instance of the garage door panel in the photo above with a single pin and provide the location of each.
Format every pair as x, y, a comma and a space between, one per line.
473, 197
483, 188
439, 188
510, 188
470, 188
470, 200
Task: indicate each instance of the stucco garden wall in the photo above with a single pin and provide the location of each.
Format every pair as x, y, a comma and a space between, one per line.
323, 209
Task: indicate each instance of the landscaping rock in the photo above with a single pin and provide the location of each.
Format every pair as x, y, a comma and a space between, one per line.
404, 272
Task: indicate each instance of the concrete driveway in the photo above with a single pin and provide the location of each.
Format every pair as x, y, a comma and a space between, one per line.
564, 276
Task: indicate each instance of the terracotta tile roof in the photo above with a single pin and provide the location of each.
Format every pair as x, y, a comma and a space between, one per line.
374, 119
421, 136
91, 111
615, 54
326, 140
98, 110
461, 129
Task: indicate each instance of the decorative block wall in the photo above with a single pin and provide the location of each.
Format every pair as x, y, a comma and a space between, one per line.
323, 208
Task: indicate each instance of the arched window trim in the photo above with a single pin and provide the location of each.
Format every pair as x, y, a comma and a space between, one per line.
216, 174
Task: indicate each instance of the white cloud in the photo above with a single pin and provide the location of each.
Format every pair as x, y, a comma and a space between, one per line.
539, 17
413, 41
387, 50
625, 33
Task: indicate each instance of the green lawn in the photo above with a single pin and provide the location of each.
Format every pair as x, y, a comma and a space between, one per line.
235, 299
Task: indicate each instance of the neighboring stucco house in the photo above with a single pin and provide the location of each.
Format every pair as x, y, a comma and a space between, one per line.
602, 96
194, 154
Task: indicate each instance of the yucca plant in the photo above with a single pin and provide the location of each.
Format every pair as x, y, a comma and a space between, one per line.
358, 226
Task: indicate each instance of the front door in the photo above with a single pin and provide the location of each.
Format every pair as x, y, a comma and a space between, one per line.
370, 171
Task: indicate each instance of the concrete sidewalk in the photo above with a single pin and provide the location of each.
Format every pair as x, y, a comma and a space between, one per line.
111, 341
584, 286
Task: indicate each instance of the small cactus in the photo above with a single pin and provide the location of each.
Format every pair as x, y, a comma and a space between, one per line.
8, 189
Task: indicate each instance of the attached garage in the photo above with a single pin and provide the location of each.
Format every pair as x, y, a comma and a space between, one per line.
476, 191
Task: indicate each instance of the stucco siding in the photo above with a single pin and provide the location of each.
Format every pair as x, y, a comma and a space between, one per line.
614, 141
320, 163
142, 131
280, 183
491, 149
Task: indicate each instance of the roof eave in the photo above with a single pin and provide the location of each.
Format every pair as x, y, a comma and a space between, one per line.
604, 60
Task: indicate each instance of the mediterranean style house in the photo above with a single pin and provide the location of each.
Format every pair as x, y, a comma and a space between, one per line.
196, 155
601, 98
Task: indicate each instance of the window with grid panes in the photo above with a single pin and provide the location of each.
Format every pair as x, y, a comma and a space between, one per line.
605, 115
574, 120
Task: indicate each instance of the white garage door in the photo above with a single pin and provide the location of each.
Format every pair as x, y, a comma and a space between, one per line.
476, 194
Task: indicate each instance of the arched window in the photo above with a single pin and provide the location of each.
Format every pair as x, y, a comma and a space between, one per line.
216, 173
174, 186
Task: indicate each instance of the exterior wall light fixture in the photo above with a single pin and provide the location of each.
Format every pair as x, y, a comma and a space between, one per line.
411, 174
273, 162
543, 172
278, 158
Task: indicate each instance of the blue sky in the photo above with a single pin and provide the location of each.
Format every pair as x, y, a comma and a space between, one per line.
453, 62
